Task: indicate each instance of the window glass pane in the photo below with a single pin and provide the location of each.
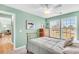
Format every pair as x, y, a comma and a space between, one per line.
68, 28
55, 29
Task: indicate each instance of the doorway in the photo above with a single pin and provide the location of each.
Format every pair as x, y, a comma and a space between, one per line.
7, 32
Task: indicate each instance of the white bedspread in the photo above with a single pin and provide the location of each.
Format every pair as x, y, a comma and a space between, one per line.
49, 43
55, 45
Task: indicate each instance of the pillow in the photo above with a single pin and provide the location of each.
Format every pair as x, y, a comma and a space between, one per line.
75, 45
68, 42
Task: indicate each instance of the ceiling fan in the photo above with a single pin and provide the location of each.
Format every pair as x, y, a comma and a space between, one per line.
49, 8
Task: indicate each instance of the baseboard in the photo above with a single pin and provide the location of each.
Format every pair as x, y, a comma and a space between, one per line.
24, 46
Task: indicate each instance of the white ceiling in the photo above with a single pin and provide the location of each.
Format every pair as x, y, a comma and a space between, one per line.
36, 9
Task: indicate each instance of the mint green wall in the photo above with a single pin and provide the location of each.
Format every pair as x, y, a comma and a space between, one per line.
21, 17
64, 16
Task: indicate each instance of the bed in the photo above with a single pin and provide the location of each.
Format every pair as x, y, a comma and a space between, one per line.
47, 45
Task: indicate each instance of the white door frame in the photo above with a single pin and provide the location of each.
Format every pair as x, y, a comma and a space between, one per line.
13, 23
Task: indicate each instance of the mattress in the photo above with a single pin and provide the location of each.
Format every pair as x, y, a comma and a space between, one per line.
51, 45
47, 43
44, 41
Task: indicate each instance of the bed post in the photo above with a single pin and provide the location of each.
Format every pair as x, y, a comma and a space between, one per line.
27, 42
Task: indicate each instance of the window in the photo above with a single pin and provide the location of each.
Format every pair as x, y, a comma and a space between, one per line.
68, 28
55, 29
65, 28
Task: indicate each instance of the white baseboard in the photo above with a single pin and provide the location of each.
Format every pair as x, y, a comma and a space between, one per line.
24, 46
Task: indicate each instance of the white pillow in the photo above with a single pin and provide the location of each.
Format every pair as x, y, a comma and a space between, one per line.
68, 42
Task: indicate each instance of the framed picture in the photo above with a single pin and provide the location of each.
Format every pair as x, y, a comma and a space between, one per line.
30, 24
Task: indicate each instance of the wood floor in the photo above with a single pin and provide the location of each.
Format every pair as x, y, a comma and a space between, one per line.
20, 51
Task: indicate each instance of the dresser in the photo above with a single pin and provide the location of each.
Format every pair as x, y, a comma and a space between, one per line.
44, 32
41, 32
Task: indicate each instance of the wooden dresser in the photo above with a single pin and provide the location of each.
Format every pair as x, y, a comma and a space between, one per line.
44, 32
41, 32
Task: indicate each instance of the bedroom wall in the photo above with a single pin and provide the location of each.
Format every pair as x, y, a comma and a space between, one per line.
64, 16
21, 17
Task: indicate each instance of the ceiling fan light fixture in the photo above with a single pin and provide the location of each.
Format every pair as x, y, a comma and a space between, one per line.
46, 12
46, 9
